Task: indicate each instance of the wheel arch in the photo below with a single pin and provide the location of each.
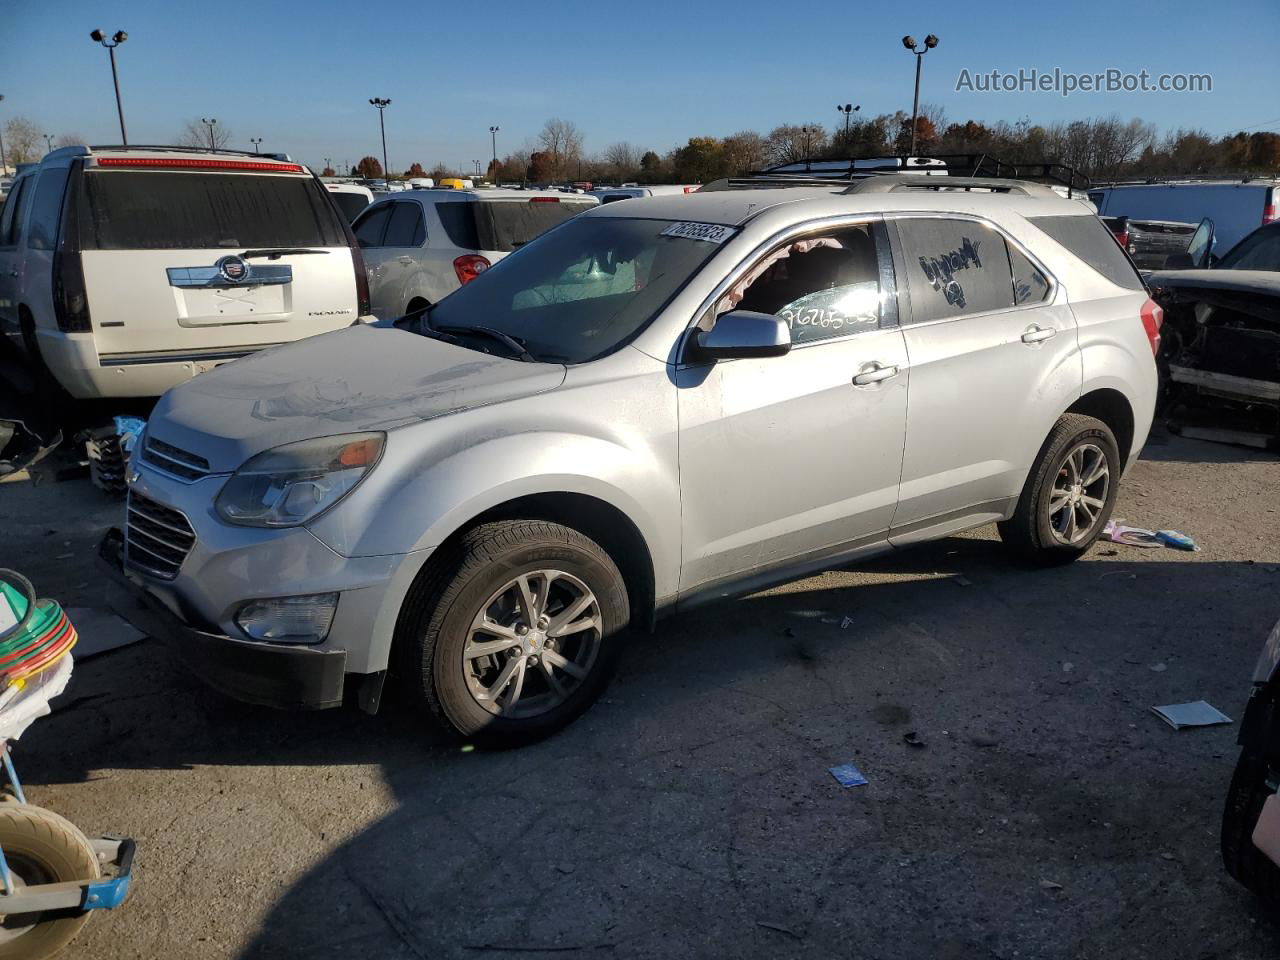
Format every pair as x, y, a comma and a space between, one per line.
1113, 408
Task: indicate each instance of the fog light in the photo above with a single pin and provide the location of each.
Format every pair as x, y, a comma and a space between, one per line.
289, 619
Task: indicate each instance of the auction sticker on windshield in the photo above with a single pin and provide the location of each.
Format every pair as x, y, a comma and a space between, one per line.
711, 232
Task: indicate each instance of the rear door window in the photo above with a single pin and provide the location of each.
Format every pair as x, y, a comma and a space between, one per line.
1089, 239
505, 225
405, 229
162, 210
955, 268
370, 228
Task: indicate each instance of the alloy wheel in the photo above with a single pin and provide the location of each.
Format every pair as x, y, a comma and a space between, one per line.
1079, 493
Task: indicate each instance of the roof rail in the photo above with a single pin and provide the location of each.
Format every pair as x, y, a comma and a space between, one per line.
170, 148
1190, 178
907, 181
948, 166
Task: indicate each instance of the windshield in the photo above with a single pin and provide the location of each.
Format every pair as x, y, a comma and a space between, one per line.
1258, 251
582, 289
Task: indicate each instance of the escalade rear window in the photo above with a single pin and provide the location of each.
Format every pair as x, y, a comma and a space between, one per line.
1090, 240
160, 210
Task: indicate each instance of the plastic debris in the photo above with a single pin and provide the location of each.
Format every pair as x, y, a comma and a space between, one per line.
1179, 541
1197, 713
1117, 532
847, 775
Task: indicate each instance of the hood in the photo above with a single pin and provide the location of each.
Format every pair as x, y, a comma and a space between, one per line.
359, 378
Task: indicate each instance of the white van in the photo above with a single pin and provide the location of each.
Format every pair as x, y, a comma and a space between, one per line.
1236, 207
423, 245
127, 270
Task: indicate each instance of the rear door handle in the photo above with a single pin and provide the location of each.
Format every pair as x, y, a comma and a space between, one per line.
1039, 334
406, 260
874, 373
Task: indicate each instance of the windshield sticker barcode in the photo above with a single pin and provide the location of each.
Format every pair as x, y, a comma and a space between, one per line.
711, 232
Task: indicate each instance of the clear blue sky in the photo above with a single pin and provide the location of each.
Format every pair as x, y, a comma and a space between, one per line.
299, 75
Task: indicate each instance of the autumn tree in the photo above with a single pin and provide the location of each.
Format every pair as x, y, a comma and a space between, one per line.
369, 168
415, 170
327, 172
744, 151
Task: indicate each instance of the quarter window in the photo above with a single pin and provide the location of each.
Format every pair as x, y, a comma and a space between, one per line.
370, 227
1029, 284
823, 286
956, 267
15, 210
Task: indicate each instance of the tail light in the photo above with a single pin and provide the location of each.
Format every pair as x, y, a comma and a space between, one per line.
469, 267
1269, 213
544, 199
70, 299
1152, 321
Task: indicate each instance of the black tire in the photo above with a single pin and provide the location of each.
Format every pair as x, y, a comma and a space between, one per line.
42, 847
458, 585
1029, 534
1245, 862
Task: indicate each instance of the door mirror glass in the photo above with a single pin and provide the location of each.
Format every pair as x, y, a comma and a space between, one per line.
742, 334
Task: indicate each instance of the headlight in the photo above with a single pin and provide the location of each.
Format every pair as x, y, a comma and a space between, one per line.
297, 482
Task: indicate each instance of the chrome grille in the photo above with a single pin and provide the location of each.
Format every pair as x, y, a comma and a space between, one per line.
157, 538
174, 460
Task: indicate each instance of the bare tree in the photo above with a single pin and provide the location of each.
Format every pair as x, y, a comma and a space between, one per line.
744, 151
620, 160
196, 134
69, 140
791, 142
561, 140
23, 141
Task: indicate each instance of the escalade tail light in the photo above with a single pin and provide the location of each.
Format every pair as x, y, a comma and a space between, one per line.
1269, 213
1152, 321
70, 299
469, 267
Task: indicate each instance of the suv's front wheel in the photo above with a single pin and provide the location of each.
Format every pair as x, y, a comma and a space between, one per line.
514, 630
1069, 494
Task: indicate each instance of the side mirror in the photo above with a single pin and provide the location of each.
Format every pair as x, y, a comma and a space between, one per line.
742, 334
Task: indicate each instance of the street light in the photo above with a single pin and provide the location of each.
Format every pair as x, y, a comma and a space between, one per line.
382, 103
257, 142
493, 133
848, 110
4, 165
48, 142
910, 43
117, 38
210, 124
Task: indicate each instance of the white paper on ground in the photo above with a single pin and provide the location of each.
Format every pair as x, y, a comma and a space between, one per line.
1194, 714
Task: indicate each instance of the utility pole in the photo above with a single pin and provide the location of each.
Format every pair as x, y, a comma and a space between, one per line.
382, 103
117, 38
210, 124
4, 165
910, 43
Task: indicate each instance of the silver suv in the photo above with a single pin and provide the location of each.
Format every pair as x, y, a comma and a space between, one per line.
657, 403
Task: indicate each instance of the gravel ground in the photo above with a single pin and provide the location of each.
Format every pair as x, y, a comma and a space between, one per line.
1048, 813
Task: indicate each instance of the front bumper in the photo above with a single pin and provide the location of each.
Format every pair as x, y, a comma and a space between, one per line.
268, 674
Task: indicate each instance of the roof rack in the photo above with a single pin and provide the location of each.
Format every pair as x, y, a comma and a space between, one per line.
1189, 178
945, 167
907, 181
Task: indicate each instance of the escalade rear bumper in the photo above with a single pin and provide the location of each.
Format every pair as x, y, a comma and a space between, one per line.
271, 675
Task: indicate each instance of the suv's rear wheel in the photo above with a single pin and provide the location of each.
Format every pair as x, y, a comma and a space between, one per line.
1245, 797
1069, 494
514, 632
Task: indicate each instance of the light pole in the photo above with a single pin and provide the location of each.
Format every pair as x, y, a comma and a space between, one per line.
910, 43
848, 110
382, 103
493, 134
257, 142
48, 142
117, 38
210, 124
4, 165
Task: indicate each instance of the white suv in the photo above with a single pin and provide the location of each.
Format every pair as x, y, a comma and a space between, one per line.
127, 270
422, 245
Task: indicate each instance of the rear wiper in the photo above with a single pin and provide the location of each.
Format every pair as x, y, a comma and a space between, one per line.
510, 342
275, 253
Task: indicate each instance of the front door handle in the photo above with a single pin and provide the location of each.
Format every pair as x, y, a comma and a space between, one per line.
406, 260
1039, 334
874, 373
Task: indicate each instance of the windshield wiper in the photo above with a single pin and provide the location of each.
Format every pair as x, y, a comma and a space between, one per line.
510, 342
275, 253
